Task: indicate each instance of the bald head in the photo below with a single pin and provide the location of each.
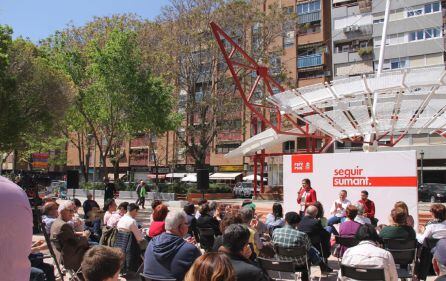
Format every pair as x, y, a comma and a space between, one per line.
311, 211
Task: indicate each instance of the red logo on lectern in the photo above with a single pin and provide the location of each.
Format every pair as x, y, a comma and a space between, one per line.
302, 163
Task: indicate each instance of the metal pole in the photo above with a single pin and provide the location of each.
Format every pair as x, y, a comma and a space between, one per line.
421, 166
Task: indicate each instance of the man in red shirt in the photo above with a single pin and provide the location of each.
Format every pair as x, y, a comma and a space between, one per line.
306, 196
369, 207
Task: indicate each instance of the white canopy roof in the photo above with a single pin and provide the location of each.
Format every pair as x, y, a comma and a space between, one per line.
176, 175
224, 176
190, 177
260, 141
407, 101
251, 178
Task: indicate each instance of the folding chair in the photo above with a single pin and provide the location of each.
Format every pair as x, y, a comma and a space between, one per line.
125, 241
404, 253
278, 269
363, 274
347, 242
295, 253
145, 277
51, 250
206, 235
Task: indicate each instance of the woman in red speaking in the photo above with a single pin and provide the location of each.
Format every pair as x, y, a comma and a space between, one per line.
306, 195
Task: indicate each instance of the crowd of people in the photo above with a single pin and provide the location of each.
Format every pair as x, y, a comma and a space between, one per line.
217, 241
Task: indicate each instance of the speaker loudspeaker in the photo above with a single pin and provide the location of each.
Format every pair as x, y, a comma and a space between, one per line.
203, 179
73, 179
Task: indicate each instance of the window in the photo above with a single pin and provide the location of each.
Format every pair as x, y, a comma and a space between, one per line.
398, 63
432, 7
416, 35
427, 33
432, 32
226, 148
345, 48
288, 10
288, 39
309, 7
363, 44
289, 146
375, 21
412, 11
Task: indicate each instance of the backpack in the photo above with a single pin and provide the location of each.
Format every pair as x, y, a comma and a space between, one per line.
108, 237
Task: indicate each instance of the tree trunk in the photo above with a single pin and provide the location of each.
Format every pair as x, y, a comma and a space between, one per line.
115, 170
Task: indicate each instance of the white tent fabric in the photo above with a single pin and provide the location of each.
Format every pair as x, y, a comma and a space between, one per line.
176, 175
224, 176
260, 141
191, 177
251, 178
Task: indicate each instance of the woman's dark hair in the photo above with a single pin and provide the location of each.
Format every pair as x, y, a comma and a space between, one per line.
320, 209
235, 237
189, 208
204, 209
277, 210
132, 206
156, 203
351, 212
108, 203
123, 205
77, 202
228, 220
367, 232
307, 181
439, 212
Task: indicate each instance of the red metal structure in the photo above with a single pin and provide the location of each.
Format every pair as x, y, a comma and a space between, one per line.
237, 60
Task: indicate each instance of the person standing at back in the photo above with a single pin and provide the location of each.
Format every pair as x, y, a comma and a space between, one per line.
142, 195
138, 191
110, 190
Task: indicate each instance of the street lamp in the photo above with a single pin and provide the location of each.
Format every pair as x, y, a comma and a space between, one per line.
421, 166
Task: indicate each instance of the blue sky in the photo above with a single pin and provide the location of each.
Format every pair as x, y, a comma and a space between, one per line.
37, 19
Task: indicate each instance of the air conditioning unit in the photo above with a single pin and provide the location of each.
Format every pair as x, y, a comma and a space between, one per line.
347, 29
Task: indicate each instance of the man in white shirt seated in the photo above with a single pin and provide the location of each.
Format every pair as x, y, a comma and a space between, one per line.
338, 209
128, 223
436, 228
367, 254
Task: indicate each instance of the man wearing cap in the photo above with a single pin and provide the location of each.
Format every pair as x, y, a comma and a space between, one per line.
439, 260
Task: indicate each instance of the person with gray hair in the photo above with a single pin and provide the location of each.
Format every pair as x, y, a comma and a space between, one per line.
169, 255
360, 218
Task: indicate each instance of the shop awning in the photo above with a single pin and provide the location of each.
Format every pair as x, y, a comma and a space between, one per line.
153, 176
191, 177
112, 176
251, 178
224, 176
176, 175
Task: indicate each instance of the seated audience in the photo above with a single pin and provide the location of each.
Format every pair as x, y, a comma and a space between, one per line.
207, 221
49, 214
236, 246
320, 213
289, 237
368, 207
168, 254
439, 260
189, 209
360, 218
16, 234
77, 222
109, 208
89, 205
338, 209
368, 254
275, 219
116, 216
247, 215
200, 202
102, 263
40, 270
158, 225
317, 234
436, 228
153, 205
400, 229
128, 222
211, 267
71, 246
349, 227
400, 204
230, 218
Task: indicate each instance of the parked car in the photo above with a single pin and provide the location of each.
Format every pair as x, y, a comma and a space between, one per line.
432, 192
244, 189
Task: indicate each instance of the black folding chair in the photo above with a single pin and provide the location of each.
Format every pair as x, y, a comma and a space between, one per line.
404, 253
51, 250
126, 241
278, 269
206, 236
363, 274
145, 277
295, 253
347, 242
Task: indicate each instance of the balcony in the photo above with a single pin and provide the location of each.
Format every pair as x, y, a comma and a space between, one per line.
309, 17
309, 61
139, 142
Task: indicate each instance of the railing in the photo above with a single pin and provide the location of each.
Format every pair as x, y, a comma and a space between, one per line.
310, 17
310, 60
